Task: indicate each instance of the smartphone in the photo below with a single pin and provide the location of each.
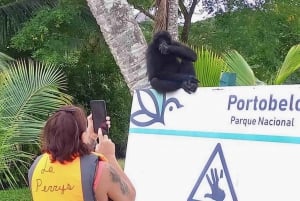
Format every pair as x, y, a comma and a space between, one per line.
99, 113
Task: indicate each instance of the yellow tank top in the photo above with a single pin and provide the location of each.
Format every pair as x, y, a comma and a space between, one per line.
72, 181
56, 181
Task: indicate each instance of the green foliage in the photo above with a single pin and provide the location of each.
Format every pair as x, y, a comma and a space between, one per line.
68, 36
30, 91
145, 4
51, 30
147, 29
96, 76
209, 67
14, 13
15, 194
4, 2
262, 36
235, 63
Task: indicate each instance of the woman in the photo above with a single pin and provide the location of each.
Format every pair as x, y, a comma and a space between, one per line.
70, 170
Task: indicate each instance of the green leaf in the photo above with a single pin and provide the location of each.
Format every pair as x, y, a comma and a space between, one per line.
237, 64
290, 65
208, 67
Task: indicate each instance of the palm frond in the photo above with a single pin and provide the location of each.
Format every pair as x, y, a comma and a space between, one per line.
31, 91
208, 67
237, 64
290, 64
12, 159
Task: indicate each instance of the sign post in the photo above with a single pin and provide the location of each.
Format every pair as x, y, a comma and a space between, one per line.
218, 144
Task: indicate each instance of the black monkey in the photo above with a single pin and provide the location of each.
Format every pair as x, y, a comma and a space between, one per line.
170, 64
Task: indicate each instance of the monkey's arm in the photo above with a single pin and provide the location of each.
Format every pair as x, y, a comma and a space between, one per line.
164, 85
176, 77
153, 62
182, 51
160, 85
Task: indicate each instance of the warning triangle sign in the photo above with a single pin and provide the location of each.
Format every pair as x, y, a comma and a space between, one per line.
214, 183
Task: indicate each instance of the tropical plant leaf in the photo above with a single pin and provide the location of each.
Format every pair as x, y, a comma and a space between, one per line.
237, 64
290, 65
30, 92
12, 160
4, 61
208, 67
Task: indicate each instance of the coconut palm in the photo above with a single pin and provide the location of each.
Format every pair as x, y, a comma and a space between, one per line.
30, 91
124, 38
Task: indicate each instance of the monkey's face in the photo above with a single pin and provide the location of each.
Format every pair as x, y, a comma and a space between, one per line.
163, 41
162, 37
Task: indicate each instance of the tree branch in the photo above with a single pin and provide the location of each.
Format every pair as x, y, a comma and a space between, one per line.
145, 12
192, 9
183, 8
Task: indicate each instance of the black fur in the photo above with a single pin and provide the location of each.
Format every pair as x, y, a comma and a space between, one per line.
170, 64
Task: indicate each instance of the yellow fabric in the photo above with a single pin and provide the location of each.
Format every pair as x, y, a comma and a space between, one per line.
56, 181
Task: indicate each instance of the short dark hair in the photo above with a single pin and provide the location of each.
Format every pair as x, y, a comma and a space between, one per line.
62, 134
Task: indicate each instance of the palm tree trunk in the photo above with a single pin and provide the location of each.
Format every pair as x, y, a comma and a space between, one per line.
124, 38
166, 17
172, 18
161, 16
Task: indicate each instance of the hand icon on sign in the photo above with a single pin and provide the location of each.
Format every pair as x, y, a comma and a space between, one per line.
217, 194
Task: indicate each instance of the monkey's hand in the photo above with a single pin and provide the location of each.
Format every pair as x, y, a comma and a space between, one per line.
190, 85
193, 79
163, 47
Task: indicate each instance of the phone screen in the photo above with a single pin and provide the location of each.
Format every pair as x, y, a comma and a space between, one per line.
98, 108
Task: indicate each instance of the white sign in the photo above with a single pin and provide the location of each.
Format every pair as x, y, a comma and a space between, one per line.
218, 144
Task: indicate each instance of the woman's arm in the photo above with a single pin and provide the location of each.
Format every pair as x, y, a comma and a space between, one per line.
114, 183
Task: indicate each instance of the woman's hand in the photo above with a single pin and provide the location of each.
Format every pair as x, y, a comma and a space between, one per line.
105, 146
91, 137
